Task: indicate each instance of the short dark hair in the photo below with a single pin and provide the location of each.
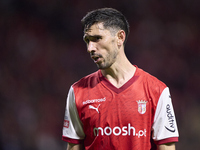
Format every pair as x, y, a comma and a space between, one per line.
111, 18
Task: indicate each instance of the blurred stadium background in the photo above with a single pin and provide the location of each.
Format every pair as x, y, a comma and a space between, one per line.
42, 54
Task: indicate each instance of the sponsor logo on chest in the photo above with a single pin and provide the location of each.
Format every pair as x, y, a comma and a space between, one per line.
117, 131
94, 101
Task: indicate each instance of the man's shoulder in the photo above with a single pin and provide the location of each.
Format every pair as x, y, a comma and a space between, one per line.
152, 85
87, 80
150, 79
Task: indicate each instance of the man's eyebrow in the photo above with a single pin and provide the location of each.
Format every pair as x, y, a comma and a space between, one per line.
91, 36
96, 35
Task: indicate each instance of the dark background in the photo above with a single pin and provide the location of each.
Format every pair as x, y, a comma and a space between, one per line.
42, 54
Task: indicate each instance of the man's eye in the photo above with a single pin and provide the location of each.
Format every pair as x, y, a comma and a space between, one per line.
86, 40
96, 39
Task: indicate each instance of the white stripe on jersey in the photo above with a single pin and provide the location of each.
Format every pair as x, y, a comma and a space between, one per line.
164, 125
74, 130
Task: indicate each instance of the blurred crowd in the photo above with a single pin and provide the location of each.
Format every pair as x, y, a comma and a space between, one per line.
42, 54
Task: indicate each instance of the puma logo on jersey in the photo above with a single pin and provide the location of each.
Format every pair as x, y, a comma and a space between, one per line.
92, 107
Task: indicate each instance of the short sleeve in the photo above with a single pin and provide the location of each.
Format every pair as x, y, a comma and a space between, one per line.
164, 126
72, 128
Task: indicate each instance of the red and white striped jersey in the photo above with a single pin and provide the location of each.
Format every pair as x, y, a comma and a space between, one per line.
105, 117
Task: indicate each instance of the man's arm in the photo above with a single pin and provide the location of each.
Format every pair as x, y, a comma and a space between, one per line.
167, 146
71, 146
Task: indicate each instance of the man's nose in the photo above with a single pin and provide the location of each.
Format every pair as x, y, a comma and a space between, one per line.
91, 47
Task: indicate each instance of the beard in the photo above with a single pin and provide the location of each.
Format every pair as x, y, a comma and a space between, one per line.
103, 66
107, 61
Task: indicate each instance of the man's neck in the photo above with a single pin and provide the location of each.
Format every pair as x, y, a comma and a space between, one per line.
119, 74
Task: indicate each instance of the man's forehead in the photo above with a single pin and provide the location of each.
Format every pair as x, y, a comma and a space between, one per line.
96, 26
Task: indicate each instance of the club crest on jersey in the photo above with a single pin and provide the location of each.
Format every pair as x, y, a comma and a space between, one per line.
66, 123
141, 106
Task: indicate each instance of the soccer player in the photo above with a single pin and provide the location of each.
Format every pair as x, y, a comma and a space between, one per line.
120, 106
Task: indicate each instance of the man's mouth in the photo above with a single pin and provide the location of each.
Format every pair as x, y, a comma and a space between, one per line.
95, 58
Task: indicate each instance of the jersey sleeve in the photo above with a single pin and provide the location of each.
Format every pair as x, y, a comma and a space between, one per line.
72, 128
164, 126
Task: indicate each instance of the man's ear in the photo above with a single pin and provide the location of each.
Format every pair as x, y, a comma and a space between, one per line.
121, 35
